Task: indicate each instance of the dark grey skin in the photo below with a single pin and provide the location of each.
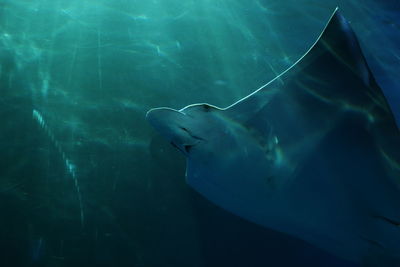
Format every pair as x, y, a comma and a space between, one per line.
314, 153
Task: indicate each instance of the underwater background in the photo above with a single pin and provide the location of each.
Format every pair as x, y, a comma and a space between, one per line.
85, 181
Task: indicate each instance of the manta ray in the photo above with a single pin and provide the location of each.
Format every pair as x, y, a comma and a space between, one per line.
314, 153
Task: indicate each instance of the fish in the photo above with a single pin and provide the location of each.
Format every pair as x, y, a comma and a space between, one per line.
314, 153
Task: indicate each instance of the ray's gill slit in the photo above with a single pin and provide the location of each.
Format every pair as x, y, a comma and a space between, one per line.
70, 166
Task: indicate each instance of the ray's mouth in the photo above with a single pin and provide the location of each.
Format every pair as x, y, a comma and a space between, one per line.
187, 148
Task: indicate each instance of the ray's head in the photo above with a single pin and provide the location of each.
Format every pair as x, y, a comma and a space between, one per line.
187, 129
224, 159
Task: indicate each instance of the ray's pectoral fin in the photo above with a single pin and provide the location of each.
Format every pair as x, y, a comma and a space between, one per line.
333, 73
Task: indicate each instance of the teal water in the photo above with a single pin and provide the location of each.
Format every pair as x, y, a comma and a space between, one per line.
84, 181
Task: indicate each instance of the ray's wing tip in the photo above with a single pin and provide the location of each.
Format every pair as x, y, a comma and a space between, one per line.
338, 27
337, 17
337, 12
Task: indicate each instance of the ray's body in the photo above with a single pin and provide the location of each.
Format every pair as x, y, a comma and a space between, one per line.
314, 153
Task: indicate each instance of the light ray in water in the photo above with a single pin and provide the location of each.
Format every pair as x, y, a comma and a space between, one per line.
99, 63
70, 166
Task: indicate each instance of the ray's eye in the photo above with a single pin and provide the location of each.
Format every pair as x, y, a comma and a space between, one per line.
187, 148
184, 129
177, 147
173, 144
